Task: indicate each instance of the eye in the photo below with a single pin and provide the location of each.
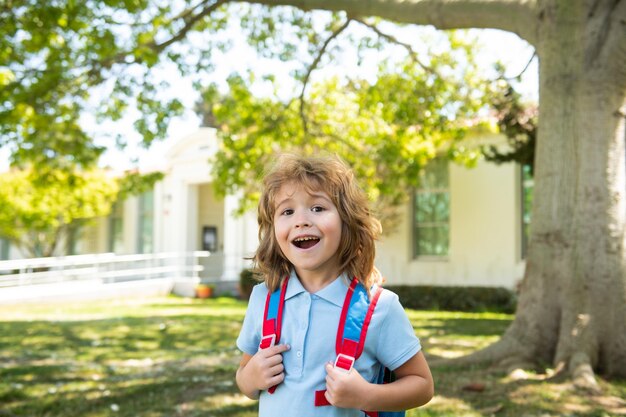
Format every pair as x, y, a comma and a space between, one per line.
286, 212
317, 209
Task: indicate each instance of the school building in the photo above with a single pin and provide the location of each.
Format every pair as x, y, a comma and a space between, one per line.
465, 227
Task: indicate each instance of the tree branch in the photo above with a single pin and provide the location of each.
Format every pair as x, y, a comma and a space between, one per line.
313, 66
395, 40
510, 15
190, 21
52, 245
518, 76
336, 138
94, 70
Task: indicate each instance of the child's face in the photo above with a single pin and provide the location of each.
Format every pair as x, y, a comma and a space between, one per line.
307, 227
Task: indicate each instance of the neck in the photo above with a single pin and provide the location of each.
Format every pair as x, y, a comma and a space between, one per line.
313, 282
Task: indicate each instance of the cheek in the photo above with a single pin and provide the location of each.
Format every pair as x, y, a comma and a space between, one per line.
334, 228
280, 231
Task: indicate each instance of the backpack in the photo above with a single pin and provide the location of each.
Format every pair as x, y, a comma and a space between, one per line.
355, 318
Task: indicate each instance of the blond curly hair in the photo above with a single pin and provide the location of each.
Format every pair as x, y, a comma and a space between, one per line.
360, 228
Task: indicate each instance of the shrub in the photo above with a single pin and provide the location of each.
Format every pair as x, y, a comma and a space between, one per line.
423, 297
247, 280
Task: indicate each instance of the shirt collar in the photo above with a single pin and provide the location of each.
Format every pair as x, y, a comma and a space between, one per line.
294, 287
335, 292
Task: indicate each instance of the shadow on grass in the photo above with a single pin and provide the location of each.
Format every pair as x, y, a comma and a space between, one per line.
175, 357
151, 395
129, 337
491, 391
464, 327
129, 366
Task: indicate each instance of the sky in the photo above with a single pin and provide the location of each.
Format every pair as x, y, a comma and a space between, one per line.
512, 51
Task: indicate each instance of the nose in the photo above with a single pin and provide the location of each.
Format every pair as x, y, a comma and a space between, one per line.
302, 220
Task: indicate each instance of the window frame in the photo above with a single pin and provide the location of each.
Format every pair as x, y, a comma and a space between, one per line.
116, 217
415, 225
5, 248
145, 213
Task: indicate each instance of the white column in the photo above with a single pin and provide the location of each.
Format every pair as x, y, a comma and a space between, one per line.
250, 236
191, 224
131, 225
232, 240
176, 222
160, 217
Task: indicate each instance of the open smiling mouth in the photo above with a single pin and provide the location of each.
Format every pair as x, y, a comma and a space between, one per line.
306, 242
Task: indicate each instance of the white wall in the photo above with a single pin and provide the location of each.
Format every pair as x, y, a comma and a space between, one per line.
210, 213
485, 234
94, 238
485, 223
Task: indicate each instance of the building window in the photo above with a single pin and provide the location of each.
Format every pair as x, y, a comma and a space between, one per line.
73, 235
527, 202
431, 208
116, 228
4, 249
146, 222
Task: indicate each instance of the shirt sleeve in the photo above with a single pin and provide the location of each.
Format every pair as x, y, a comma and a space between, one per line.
397, 342
250, 334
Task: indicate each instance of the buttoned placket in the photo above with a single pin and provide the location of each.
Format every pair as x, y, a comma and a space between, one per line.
301, 333
304, 304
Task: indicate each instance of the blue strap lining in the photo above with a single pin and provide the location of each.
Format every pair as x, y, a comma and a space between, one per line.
359, 304
272, 311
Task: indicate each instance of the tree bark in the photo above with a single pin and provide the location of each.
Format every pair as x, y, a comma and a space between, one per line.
510, 15
572, 305
572, 309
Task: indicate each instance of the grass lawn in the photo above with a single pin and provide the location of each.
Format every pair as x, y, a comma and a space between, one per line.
177, 357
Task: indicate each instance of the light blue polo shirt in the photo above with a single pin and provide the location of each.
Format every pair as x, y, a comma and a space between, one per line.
310, 327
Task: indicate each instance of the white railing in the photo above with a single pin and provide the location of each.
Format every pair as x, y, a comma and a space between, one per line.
105, 268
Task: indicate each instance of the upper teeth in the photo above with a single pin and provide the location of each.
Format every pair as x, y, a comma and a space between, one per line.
301, 239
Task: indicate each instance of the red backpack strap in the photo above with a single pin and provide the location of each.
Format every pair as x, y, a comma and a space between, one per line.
356, 315
355, 319
273, 319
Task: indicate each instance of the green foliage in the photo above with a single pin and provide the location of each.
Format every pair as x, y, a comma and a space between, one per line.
516, 120
387, 129
53, 54
424, 297
135, 183
279, 32
38, 210
60, 59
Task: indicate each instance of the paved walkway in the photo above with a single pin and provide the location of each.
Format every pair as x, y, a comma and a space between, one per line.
92, 290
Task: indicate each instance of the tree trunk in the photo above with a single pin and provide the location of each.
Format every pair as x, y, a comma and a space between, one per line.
572, 306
